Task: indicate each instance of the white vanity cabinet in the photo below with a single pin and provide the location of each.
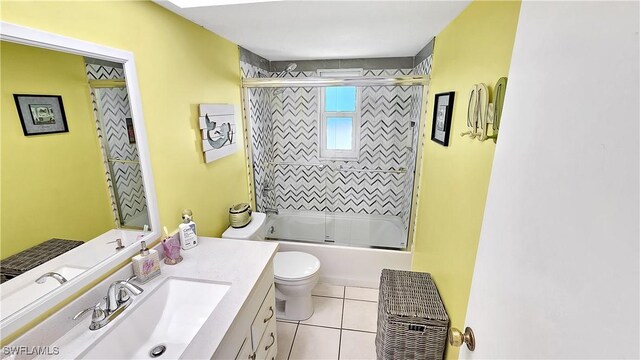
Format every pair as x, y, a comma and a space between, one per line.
260, 342
253, 333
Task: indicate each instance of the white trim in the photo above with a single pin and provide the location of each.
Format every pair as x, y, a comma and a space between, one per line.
42, 39
323, 152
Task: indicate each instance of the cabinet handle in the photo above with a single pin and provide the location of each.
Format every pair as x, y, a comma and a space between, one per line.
273, 341
270, 316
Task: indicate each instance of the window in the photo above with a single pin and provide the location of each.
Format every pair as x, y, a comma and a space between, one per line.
339, 118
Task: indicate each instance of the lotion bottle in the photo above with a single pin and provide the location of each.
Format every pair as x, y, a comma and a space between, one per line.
187, 230
146, 265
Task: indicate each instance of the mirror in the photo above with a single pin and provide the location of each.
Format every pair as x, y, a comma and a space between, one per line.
77, 195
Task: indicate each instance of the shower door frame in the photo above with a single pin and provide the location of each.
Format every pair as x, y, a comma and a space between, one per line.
358, 81
96, 86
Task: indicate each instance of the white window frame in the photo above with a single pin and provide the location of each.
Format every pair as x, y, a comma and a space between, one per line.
327, 154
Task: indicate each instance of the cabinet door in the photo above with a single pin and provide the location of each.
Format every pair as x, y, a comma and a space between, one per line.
266, 313
246, 352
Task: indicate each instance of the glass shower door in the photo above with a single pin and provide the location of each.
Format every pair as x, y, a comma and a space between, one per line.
117, 137
296, 199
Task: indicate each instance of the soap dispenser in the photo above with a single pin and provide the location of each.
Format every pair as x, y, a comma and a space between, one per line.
146, 265
187, 230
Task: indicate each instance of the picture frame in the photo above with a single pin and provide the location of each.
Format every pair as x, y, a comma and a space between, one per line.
442, 113
131, 133
41, 114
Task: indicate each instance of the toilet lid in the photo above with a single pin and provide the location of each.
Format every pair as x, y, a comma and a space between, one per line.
294, 265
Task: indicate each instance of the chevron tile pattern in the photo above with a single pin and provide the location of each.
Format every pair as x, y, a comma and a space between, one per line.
285, 130
112, 108
301, 187
261, 135
102, 72
383, 138
366, 192
105, 163
130, 189
294, 113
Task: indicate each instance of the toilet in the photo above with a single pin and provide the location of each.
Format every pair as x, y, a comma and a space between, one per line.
295, 273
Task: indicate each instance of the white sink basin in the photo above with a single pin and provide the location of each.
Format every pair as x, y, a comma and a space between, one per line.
170, 316
17, 293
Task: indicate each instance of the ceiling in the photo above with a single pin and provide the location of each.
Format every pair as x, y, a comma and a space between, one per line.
307, 30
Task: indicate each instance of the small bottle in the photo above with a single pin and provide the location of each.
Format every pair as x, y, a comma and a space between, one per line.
187, 230
146, 265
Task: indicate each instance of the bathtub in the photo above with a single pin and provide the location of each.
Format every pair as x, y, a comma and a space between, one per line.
352, 248
361, 230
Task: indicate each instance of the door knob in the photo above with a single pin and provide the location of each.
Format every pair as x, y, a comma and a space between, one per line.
457, 338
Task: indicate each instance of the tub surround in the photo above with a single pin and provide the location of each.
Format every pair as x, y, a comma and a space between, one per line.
243, 264
284, 130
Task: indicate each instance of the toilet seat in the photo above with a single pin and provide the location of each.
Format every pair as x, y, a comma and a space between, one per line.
294, 265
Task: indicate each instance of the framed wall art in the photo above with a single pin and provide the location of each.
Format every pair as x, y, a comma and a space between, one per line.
41, 114
218, 123
442, 112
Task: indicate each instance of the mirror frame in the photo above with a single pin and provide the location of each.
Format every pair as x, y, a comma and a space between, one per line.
37, 38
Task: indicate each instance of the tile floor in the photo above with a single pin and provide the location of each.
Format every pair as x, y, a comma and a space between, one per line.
343, 326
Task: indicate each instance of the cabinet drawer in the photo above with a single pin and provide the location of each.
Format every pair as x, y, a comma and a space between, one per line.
271, 354
245, 353
266, 313
268, 344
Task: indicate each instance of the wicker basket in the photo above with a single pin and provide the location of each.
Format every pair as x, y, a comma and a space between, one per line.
412, 321
26, 260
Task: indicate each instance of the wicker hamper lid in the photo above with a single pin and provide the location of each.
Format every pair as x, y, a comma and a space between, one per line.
412, 294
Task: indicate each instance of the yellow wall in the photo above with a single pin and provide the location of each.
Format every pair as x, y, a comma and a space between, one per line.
180, 65
50, 183
476, 47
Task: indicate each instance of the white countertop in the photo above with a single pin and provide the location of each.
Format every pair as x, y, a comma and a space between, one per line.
236, 261
22, 290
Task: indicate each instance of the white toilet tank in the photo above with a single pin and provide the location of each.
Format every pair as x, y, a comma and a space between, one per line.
254, 230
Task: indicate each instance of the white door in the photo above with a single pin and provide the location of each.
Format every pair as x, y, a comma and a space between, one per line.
557, 270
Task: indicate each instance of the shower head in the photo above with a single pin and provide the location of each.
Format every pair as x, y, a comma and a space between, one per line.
290, 67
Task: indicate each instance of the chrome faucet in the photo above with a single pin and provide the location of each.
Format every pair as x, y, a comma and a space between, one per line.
116, 301
61, 279
117, 293
271, 211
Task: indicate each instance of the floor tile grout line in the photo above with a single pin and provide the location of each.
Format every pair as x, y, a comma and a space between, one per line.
293, 341
373, 301
322, 326
339, 344
360, 331
328, 296
344, 294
